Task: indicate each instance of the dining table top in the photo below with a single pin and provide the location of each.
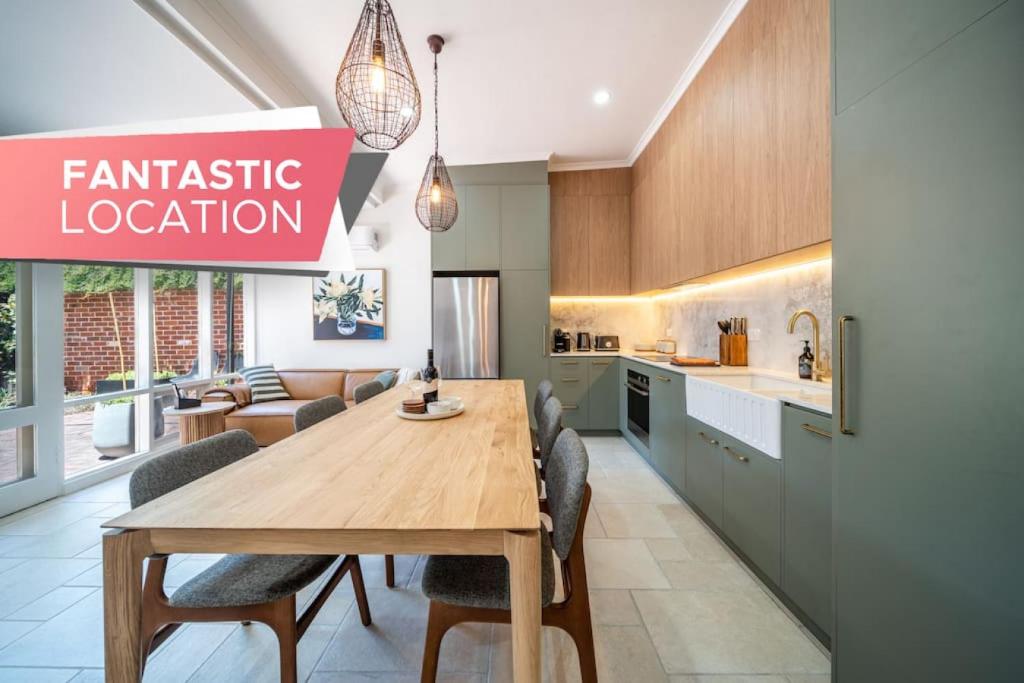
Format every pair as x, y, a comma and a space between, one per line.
366, 468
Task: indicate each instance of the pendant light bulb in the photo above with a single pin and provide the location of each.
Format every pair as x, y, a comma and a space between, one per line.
378, 78
435, 191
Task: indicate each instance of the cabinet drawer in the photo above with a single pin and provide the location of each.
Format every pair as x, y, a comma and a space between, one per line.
572, 391
752, 505
568, 367
704, 469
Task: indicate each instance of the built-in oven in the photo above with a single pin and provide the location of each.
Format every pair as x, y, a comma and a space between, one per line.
638, 405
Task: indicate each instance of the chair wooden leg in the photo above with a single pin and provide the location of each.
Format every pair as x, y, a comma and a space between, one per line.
389, 570
282, 621
359, 588
440, 618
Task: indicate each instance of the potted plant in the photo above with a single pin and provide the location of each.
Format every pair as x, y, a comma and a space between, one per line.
346, 300
122, 381
113, 425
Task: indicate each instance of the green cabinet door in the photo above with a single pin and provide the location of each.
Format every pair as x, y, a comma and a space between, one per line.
448, 248
482, 210
807, 513
928, 478
704, 470
525, 227
524, 327
752, 505
668, 427
571, 386
604, 393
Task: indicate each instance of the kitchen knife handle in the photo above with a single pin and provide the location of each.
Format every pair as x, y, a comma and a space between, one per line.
844, 428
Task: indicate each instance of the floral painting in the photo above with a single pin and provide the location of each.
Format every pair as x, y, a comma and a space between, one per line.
349, 305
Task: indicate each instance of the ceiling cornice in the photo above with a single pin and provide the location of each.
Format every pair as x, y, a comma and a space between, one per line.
556, 166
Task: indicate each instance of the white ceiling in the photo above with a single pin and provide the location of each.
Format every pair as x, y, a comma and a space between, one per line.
517, 76
73, 65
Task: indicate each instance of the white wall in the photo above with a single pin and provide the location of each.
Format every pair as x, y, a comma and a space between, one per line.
283, 304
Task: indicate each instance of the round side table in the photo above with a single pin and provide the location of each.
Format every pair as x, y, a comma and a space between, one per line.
198, 423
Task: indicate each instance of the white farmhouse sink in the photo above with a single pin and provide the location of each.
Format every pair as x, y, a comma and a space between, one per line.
749, 407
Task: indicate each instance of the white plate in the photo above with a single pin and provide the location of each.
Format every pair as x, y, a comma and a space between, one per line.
429, 416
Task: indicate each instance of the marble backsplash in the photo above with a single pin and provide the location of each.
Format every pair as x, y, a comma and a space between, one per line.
767, 302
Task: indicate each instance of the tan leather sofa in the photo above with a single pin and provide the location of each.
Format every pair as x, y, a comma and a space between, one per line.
272, 421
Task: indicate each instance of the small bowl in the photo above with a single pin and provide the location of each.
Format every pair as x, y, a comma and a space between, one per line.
453, 402
437, 408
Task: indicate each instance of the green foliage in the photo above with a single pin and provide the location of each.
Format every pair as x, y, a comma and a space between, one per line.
8, 345
6, 276
130, 375
103, 279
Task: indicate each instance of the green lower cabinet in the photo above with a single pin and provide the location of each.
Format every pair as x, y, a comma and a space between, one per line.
704, 469
807, 513
603, 403
524, 323
752, 505
668, 427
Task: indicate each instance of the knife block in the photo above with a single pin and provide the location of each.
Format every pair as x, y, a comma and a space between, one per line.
732, 349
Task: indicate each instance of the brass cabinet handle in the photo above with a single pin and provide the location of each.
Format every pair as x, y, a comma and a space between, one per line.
570, 362
570, 406
738, 456
661, 378
707, 438
600, 362
816, 430
570, 379
843, 376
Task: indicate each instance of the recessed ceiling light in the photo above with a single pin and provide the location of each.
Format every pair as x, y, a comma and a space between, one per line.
601, 97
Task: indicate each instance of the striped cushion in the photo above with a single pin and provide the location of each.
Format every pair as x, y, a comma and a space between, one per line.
264, 383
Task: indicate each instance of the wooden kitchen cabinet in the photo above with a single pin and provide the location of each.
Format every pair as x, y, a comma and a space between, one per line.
590, 240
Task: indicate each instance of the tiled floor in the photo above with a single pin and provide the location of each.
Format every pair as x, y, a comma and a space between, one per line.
670, 603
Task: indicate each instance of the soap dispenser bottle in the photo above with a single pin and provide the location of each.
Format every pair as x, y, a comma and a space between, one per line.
806, 362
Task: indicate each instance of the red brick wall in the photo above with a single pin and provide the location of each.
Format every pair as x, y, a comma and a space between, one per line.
90, 343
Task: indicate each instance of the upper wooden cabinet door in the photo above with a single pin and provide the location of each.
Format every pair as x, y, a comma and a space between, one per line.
570, 267
608, 247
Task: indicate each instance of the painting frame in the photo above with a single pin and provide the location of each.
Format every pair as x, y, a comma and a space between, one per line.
350, 305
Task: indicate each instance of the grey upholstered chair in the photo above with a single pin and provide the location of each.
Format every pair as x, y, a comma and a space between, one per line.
367, 390
476, 588
318, 411
549, 425
241, 588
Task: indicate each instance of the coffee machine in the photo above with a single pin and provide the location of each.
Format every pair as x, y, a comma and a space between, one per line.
562, 341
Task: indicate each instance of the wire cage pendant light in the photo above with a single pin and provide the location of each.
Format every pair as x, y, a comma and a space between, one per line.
436, 205
376, 89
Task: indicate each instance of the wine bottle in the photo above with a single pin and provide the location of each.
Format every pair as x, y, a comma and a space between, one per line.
430, 379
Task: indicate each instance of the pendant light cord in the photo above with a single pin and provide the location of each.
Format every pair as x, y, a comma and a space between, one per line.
435, 104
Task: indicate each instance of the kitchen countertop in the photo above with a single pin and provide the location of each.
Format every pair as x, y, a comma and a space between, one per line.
820, 403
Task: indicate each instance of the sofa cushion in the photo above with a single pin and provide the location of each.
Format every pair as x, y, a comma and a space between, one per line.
387, 378
356, 377
264, 383
313, 384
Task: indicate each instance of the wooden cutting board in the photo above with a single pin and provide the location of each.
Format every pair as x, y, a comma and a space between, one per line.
687, 361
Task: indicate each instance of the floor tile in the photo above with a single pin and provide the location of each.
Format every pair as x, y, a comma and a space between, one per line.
808, 678
41, 675
390, 677
68, 541
625, 653
9, 562
621, 563
52, 604
559, 664
184, 655
641, 486
705, 545
613, 608
633, 520
32, 579
681, 518
724, 632
668, 549
250, 655
593, 527
73, 638
50, 519
394, 642
695, 575
10, 631
111, 491
728, 678
89, 676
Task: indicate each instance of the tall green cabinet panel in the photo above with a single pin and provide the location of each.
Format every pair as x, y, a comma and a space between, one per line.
807, 513
668, 426
927, 248
524, 323
448, 248
525, 227
752, 505
482, 207
604, 393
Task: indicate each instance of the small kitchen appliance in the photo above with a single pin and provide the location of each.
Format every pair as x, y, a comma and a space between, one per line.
562, 341
583, 341
606, 342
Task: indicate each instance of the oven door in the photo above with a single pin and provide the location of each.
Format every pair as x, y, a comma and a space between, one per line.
638, 410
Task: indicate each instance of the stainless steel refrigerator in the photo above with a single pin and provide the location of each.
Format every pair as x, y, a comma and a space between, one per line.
466, 325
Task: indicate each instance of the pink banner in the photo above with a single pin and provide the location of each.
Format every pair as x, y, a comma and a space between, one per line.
246, 196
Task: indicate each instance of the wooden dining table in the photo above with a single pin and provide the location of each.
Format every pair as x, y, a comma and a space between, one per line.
364, 481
